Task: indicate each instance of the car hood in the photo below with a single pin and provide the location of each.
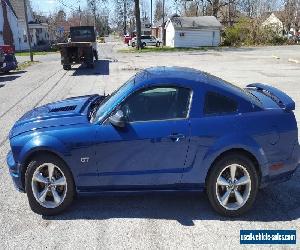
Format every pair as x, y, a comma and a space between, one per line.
71, 111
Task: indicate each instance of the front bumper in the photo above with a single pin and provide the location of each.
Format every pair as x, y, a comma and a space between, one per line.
15, 172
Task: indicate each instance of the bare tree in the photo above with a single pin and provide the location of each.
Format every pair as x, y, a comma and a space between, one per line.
138, 23
158, 10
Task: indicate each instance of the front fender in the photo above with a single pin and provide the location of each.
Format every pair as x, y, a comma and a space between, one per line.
42, 143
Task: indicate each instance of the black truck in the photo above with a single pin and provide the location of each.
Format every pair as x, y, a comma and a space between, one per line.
81, 47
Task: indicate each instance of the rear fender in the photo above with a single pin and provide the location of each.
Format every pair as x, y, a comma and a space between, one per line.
231, 142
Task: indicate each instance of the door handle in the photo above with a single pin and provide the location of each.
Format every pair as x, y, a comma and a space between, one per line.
176, 137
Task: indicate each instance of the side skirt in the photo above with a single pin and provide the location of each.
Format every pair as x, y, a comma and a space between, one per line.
140, 189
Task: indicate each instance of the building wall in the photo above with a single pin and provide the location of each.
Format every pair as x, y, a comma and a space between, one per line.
22, 35
189, 38
170, 34
13, 22
19, 9
197, 38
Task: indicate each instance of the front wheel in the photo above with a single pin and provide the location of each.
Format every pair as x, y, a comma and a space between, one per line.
133, 44
66, 67
49, 185
232, 185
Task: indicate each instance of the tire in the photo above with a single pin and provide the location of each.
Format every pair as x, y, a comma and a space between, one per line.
66, 67
133, 44
157, 44
96, 55
144, 45
241, 197
41, 186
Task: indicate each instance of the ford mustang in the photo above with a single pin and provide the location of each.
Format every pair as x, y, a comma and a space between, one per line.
165, 129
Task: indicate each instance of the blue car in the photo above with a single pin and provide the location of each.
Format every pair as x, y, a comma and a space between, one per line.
166, 129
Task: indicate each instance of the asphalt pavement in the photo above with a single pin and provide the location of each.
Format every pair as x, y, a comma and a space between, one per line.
152, 221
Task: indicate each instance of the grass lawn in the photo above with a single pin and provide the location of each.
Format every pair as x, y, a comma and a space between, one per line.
35, 53
26, 64
161, 49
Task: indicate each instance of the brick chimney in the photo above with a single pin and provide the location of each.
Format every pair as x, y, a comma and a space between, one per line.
7, 33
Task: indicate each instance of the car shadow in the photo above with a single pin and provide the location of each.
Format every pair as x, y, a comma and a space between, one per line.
274, 203
101, 68
7, 78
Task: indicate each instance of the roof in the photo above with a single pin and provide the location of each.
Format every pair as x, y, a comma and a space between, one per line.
198, 76
10, 6
18, 7
279, 14
195, 22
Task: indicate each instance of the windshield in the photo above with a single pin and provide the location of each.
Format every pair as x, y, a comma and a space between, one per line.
110, 102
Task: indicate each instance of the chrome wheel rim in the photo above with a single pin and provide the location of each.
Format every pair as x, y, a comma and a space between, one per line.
233, 187
49, 185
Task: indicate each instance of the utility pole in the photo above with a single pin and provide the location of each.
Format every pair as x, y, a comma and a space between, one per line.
151, 10
28, 32
125, 17
163, 25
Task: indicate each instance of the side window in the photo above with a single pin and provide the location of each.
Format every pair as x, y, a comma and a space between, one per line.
216, 104
160, 103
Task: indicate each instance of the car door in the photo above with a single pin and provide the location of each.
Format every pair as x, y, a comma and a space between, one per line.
151, 149
153, 40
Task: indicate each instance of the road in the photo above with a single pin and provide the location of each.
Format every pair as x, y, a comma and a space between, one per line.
152, 221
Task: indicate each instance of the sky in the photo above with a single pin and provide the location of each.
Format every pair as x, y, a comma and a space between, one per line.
49, 6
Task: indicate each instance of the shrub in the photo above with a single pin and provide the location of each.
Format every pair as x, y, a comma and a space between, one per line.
251, 32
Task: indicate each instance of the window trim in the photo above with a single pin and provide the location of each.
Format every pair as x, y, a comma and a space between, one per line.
105, 120
223, 113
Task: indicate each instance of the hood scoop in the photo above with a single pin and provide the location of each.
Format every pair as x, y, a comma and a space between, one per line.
63, 109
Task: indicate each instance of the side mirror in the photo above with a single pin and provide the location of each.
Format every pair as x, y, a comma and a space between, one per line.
118, 119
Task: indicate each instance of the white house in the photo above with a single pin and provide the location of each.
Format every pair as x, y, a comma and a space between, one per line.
193, 31
9, 29
274, 23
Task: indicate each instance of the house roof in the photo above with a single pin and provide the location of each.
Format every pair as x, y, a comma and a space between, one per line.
10, 6
195, 22
279, 14
18, 7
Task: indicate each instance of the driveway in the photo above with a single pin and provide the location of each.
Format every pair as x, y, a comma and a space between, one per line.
152, 221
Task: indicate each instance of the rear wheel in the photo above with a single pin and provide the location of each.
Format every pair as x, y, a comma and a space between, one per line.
49, 185
232, 185
143, 45
133, 44
66, 67
96, 55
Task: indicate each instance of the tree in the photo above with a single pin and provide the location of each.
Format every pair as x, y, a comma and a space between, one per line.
158, 10
138, 23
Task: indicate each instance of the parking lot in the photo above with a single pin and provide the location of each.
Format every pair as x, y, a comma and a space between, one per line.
151, 221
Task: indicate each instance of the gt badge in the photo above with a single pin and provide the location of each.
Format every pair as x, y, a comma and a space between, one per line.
85, 159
